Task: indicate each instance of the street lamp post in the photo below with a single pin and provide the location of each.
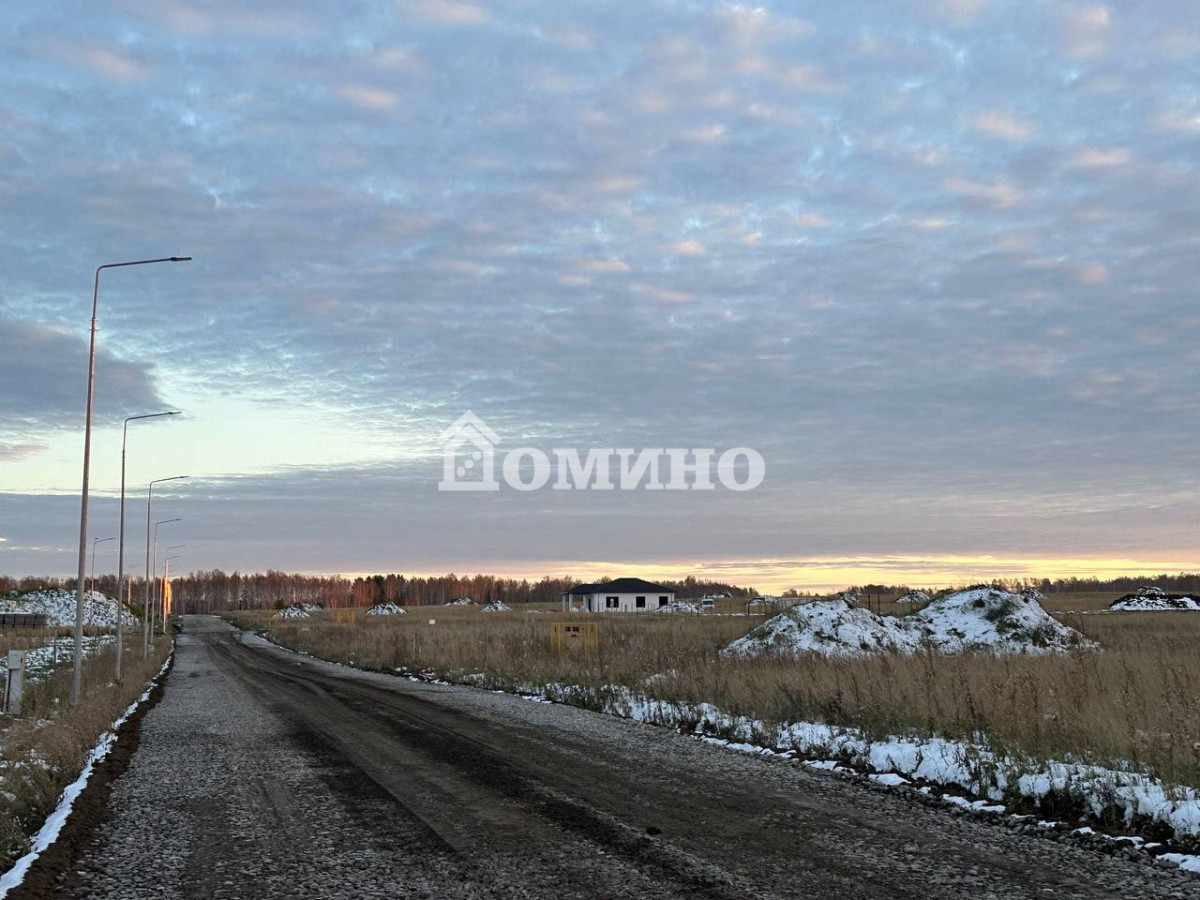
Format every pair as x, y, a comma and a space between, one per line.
146, 605
167, 585
92, 573
77, 661
92, 581
157, 586
121, 543
167, 581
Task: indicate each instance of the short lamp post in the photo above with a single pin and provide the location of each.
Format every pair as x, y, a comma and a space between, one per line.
148, 570
121, 591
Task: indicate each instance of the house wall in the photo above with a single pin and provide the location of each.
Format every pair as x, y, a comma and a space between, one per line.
627, 602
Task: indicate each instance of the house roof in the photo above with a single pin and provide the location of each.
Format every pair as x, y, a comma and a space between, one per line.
622, 586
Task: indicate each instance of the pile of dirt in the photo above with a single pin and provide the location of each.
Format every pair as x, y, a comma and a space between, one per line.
984, 619
461, 601
59, 607
295, 611
386, 609
914, 598
1152, 599
496, 606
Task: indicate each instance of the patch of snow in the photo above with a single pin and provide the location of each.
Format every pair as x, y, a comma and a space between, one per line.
461, 601
496, 606
295, 611
679, 606
1184, 861
386, 609
982, 618
914, 597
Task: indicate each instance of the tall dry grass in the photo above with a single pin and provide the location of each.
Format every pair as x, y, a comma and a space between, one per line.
45, 748
1136, 704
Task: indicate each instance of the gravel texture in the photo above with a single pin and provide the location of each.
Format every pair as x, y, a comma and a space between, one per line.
264, 774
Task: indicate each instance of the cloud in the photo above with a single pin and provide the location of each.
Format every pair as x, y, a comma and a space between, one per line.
445, 12
686, 248
997, 194
1086, 30
368, 97
1094, 273
1184, 122
1002, 125
603, 265
17, 452
43, 381
1101, 158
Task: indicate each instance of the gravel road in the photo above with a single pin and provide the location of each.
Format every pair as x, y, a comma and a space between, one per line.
264, 774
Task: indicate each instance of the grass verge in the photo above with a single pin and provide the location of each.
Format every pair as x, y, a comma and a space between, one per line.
45, 748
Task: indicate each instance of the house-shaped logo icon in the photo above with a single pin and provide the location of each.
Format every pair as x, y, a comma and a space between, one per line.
468, 462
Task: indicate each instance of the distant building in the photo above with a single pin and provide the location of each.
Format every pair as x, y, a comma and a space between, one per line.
619, 595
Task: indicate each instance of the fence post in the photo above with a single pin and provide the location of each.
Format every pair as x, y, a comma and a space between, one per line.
15, 682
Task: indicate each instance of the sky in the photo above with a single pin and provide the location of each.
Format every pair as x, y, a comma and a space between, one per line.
934, 260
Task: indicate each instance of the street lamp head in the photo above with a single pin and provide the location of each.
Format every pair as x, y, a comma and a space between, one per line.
181, 259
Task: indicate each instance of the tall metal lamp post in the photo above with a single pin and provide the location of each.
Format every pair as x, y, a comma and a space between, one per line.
149, 571
77, 660
121, 542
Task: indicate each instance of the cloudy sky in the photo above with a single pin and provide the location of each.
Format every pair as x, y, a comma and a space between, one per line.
936, 260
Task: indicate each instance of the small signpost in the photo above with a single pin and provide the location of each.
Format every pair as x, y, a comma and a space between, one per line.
572, 636
345, 616
15, 682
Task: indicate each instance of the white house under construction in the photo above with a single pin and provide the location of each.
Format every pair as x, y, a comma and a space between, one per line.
619, 595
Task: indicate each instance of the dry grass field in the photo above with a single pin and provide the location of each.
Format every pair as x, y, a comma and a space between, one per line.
1136, 704
46, 747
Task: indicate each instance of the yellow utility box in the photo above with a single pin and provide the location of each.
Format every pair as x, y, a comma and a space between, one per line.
345, 616
572, 636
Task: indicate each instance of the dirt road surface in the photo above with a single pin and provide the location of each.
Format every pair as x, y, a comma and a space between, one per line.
265, 774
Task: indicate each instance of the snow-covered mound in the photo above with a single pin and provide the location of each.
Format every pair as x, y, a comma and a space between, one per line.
310, 607
983, 618
829, 627
496, 606
1152, 599
986, 618
461, 601
386, 609
764, 601
914, 597
679, 606
59, 606
295, 611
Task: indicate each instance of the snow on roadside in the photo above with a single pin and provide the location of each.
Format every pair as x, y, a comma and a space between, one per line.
59, 606
982, 618
54, 823
969, 766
